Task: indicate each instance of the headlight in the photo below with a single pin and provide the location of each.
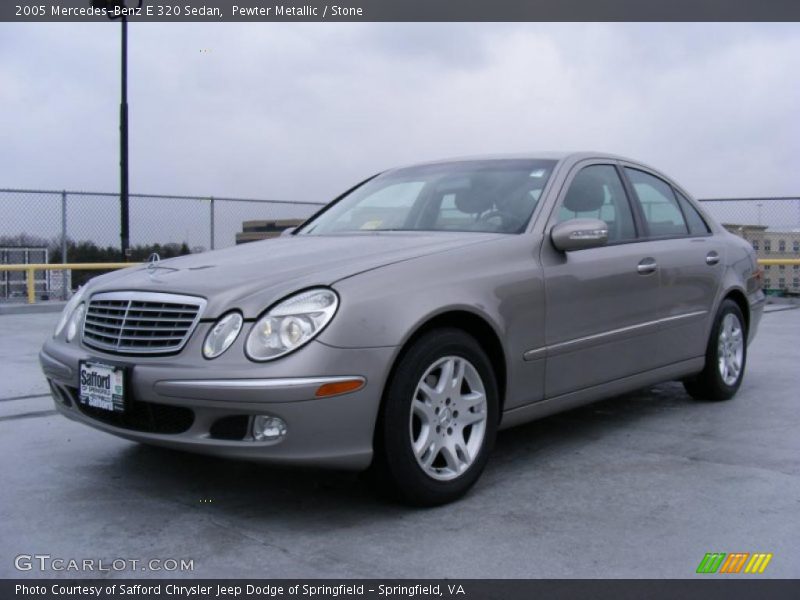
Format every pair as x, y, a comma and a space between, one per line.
222, 335
291, 323
75, 321
67, 312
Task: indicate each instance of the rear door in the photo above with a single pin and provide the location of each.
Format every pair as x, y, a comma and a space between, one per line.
689, 261
602, 304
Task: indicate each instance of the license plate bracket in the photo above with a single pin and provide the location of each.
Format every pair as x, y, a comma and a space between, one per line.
101, 386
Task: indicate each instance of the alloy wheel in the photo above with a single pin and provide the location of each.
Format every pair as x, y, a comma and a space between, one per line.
447, 423
730, 346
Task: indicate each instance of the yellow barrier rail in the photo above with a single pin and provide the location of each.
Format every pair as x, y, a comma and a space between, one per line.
31, 269
779, 261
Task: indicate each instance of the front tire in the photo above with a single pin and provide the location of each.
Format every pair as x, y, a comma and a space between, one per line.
726, 357
438, 420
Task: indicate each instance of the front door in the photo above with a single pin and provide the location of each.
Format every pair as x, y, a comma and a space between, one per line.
602, 304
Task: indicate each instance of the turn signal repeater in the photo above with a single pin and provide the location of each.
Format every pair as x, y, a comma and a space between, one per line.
339, 387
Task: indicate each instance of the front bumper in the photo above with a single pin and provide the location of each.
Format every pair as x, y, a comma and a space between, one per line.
207, 406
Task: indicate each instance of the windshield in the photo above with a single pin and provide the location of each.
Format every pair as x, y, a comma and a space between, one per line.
487, 196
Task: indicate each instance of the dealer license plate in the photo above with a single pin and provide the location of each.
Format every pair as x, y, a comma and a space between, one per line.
102, 386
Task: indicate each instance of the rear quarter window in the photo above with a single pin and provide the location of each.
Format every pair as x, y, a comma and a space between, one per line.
697, 225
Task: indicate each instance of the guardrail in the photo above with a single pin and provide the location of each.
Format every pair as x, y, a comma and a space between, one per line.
31, 269
779, 261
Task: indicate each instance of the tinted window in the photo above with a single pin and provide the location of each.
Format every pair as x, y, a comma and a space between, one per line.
597, 193
659, 206
697, 226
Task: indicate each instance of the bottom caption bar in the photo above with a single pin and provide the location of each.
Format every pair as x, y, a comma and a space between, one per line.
472, 589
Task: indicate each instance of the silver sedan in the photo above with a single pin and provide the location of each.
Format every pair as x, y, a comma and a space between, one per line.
415, 315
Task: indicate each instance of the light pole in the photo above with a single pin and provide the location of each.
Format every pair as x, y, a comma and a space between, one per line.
115, 9
125, 231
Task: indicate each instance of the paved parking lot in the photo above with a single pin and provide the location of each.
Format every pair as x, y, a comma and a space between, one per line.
641, 485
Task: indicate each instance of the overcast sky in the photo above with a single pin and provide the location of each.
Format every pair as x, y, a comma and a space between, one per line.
302, 111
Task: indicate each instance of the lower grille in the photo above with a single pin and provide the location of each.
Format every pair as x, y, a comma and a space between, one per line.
147, 417
234, 427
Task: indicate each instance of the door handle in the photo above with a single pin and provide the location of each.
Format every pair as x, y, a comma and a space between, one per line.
712, 258
646, 266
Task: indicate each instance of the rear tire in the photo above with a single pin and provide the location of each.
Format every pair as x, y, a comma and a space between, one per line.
726, 357
438, 420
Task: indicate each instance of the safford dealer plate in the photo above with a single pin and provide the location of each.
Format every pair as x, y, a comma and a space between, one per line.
102, 386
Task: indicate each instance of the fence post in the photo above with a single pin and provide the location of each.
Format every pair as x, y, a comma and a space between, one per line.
31, 286
64, 291
212, 222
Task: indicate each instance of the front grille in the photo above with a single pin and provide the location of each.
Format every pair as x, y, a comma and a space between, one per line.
140, 322
148, 417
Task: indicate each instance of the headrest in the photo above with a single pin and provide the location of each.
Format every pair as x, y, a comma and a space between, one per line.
474, 201
586, 193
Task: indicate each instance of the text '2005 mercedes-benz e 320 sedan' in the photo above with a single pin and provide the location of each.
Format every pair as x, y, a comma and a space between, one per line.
411, 318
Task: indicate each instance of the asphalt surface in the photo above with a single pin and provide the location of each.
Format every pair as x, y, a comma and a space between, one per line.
641, 485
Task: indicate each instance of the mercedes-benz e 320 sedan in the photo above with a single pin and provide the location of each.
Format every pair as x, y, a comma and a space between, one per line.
415, 315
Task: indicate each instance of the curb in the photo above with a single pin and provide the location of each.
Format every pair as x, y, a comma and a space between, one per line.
29, 309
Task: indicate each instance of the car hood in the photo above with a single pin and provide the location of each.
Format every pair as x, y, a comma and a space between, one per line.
253, 276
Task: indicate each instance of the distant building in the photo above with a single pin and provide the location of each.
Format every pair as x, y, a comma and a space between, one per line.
253, 231
774, 244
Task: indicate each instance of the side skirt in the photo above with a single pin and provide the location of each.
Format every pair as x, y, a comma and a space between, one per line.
549, 406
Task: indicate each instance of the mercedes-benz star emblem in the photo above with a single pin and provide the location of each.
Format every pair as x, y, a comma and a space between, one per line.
152, 262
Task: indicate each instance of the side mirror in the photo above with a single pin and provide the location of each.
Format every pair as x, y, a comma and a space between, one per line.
578, 234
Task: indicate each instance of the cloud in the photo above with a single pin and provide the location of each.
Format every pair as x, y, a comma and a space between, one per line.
302, 111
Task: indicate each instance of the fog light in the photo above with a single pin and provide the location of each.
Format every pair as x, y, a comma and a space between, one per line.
268, 429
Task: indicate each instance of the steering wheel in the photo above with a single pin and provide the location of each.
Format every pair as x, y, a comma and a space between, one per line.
505, 216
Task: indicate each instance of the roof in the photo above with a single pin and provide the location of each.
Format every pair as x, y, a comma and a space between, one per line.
544, 155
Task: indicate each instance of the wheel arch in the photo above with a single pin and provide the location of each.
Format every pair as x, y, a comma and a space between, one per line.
472, 324
739, 297
395, 468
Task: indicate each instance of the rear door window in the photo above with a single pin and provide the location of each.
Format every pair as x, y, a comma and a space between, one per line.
659, 206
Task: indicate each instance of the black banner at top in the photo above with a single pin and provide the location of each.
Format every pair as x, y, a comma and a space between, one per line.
400, 10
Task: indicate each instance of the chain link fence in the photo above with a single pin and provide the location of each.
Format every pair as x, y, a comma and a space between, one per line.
14, 284
772, 226
777, 214
85, 227
202, 223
